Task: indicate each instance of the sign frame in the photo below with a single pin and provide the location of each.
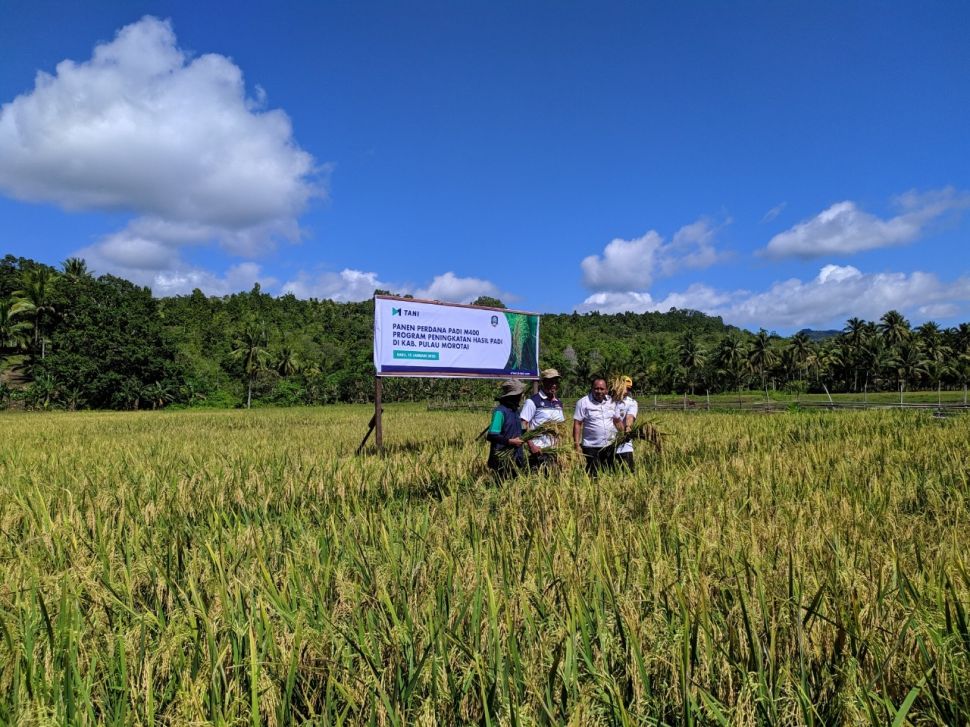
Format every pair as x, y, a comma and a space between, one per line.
376, 424
432, 374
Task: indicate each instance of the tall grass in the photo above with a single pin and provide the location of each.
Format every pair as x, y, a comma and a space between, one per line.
246, 568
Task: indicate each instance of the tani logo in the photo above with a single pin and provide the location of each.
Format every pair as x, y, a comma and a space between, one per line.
403, 312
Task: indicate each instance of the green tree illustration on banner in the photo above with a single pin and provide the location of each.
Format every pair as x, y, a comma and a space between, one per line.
525, 340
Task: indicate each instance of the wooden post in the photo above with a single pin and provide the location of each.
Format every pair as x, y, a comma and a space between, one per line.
378, 410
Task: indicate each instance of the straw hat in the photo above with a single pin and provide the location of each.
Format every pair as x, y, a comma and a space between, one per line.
510, 387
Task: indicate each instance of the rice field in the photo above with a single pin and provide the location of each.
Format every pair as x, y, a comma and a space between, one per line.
246, 568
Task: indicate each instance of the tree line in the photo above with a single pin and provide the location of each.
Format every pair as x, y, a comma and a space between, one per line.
71, 340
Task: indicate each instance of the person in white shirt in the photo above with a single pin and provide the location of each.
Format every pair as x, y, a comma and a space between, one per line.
593, 427
624, 414
542, 408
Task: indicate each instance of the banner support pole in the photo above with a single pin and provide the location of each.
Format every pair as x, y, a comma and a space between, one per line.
375, 424
378, 411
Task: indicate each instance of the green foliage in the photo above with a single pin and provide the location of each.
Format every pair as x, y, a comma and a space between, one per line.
250, 347
488, 302
112, 351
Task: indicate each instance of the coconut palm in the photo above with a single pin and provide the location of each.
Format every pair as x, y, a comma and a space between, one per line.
910, 363
731, 360
797, 351
894, 328
287, 361
75, 267
33, 300
854, 335
762, 356
250, 348
12, 332
961, 338
691, 358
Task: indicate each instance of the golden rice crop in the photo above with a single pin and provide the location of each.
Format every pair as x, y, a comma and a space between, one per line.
246, 567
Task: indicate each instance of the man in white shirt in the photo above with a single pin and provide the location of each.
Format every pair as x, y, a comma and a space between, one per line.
593, 428
539, 409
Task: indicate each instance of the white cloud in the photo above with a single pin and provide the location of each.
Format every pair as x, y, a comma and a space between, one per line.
625, 264
184, 280
692, 247
696, 297
143, 128
631, 264
843, 228
353, 285
449, 287
345, 286
834, 295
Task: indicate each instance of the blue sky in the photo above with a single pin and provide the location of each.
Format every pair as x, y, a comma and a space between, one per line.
782, 165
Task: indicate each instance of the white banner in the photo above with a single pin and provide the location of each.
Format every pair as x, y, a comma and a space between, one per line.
418, 338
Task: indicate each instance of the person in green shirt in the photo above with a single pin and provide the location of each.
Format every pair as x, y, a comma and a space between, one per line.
504, 434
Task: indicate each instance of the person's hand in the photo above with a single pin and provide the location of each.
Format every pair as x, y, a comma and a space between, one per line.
533, 448
515, 442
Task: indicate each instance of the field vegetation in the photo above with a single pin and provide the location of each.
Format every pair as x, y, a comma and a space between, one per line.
70, 341
244, 567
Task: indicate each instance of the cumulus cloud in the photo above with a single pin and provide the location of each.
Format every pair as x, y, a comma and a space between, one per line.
143, 128
449, 287
631, 264
183, 279
835, 294
355, 285
844, 228
345, 286
696, 297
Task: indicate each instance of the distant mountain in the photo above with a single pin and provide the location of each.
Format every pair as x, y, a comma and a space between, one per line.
819, 335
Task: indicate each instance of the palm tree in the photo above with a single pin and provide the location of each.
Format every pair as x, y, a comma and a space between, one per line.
961, 338
12, 332
691, 358
732, 360
877, 361
797, 352
894, 328
287, 361
910, 364
762, 356
929, 332
75, 267
250, 348
825, 360
855, 334
34, 300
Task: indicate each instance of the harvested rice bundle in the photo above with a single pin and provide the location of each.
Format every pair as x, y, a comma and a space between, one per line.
644, 430
558, 431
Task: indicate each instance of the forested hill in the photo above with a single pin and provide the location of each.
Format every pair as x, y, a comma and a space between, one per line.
70, 340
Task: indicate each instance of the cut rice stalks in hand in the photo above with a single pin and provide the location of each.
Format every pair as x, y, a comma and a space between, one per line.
642, 430
558, 431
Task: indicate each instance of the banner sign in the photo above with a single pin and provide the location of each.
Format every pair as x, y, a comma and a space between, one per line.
421, 338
